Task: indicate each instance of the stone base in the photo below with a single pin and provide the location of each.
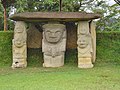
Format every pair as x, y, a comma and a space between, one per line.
57, 61
53, 66
19, 64
85, 66
85, 63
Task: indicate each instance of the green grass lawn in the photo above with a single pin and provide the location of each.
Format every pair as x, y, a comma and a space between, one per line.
104, 76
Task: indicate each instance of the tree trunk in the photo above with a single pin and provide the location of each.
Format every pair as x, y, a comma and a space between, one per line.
5, 20
60, 8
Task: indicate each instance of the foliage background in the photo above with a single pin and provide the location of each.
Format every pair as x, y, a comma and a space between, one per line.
5, 48
110, 19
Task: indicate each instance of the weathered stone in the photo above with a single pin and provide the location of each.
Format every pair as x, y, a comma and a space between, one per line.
54, 16
54, 37
19, 45
84, 45
54, 44
71, 36
93, 34
34, 37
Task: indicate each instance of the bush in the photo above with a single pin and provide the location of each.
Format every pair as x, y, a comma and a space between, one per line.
108, 46
6, 47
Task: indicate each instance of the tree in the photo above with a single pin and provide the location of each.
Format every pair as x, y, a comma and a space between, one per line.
91, 6
110, 19
36, 5
117, 1
6, 4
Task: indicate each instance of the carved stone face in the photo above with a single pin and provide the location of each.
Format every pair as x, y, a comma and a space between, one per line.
83, 41
19, 27
84, 31
53, 32
19, 36
19, 43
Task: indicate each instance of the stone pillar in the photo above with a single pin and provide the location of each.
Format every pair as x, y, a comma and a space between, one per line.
84, 43
93, 34
54, 44
19, 45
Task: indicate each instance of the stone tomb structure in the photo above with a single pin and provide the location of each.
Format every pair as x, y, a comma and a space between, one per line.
55, 37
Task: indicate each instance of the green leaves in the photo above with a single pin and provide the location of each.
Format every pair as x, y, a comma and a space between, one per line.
7, 3
91, 6
111, 18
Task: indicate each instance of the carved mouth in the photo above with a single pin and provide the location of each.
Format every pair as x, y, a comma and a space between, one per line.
82, 44
52, 37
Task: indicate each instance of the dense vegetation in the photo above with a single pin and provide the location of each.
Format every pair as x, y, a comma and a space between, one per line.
108, 47
5, 48
109, 20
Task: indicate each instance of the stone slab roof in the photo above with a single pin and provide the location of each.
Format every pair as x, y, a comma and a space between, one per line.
53, 16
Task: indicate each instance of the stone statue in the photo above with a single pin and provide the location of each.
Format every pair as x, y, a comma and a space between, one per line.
54, 44
84, 46
19, 45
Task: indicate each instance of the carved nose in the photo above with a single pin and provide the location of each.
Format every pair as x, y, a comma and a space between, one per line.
18, 42
53, 35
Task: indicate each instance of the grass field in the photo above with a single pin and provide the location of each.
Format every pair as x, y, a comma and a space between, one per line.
104, 76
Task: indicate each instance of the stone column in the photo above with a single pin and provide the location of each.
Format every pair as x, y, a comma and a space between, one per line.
84, 43
19, 45
54, 44
93, 34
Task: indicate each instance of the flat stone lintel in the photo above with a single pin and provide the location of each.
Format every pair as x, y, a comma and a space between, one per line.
54, 16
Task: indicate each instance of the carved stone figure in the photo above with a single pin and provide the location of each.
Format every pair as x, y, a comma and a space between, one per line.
54, 44
19, 45
84, 45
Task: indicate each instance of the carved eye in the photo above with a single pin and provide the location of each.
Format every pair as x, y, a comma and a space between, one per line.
58, 32
80, 41
48, 32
